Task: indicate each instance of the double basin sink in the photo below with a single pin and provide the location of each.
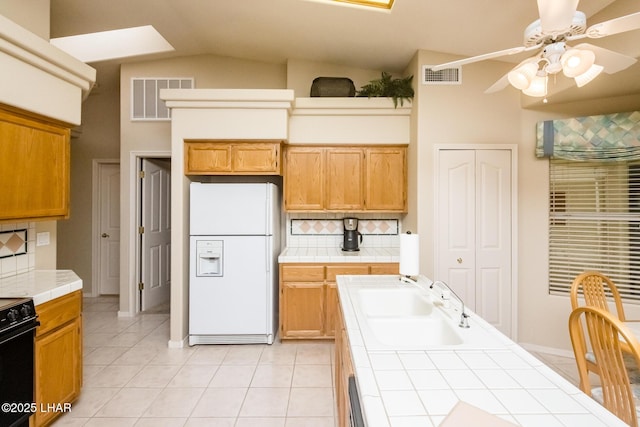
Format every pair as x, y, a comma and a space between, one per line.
406, 317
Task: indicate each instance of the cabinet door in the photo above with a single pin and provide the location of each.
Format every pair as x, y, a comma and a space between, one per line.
58, 369
331, 298
386, 179
203, 158
303, 310
303, 183
256, 157
34, 168
345, 174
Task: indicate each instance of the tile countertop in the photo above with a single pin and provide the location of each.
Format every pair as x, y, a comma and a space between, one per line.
41, 285
299, 254
419, 388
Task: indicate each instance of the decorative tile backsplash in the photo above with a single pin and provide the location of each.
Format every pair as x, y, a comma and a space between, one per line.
307, 227
326, 230
13, 243
17, 248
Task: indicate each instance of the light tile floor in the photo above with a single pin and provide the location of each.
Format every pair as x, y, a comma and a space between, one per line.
131, 378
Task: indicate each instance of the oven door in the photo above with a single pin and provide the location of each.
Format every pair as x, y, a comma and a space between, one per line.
16, 375
355, 413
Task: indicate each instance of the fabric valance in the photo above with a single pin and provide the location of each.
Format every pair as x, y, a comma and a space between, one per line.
610, 137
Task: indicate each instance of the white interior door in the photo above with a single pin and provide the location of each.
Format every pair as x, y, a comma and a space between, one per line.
155, 233
109, 228
474, 237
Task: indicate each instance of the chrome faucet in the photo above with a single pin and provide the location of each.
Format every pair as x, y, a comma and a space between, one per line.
464, 322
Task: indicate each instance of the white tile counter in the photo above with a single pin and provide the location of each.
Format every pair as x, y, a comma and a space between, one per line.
325, 255
41, 285
419, 388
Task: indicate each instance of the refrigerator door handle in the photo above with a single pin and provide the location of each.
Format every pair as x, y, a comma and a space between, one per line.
268, 254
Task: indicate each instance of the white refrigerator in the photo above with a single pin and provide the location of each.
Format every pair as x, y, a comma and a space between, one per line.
233, 265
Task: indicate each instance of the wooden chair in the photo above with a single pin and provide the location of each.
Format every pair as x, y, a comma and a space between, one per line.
594, 287
598, 290
607, 335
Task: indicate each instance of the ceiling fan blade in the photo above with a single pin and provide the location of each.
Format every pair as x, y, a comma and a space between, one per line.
556, 15
483, 57
499, 85
610, 60
614, 26
503, 82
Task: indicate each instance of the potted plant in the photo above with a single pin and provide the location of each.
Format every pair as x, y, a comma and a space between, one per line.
397, 89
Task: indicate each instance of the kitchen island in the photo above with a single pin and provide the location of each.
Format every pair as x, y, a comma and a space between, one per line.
57, 295
417, 382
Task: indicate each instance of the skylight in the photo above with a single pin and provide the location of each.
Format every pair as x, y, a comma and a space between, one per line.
371, 4
105, 45
384, 4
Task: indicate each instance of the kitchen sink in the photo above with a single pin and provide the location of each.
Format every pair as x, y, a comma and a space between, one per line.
421, 332
407, 318
393, 302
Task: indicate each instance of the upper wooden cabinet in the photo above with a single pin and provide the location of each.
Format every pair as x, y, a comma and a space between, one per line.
345, 178
386, 179
34, 167
232, 157
303, 179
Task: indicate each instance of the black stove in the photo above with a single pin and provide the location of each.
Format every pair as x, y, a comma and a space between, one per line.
18, 323
16, 313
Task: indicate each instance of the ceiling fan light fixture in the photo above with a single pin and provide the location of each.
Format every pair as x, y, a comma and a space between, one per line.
577, 61
538, 86
521, 77
589, 75
553, 54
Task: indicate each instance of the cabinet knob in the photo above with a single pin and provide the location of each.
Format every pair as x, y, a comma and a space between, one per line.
459, 260
104, 235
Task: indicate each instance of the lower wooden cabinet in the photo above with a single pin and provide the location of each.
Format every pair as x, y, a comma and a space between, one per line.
309, 296
303, 311
58, 356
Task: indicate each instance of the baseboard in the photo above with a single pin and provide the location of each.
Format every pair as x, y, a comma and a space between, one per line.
126, 314
178, 343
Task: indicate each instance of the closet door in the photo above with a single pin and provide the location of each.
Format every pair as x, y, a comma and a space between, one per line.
473, 230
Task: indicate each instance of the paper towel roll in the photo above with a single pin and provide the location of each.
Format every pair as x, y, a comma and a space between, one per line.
409, 255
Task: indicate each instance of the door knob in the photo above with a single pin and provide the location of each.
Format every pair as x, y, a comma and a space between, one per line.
105, 235
459, 260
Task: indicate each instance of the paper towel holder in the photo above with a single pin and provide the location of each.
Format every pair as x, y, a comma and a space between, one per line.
405, 277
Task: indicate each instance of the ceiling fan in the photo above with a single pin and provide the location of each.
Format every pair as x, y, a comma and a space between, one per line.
560, 23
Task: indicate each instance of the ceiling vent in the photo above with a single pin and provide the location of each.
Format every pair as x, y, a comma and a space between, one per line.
446, 76
145, 96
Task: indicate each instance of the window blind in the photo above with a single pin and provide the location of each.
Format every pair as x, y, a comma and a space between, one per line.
594, 223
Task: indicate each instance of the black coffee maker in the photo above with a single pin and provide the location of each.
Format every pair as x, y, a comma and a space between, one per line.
352, 237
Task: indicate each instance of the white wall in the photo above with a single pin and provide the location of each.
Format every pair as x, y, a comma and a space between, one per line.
153, 139
30, 14
300, 75
440, 115
464, 115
